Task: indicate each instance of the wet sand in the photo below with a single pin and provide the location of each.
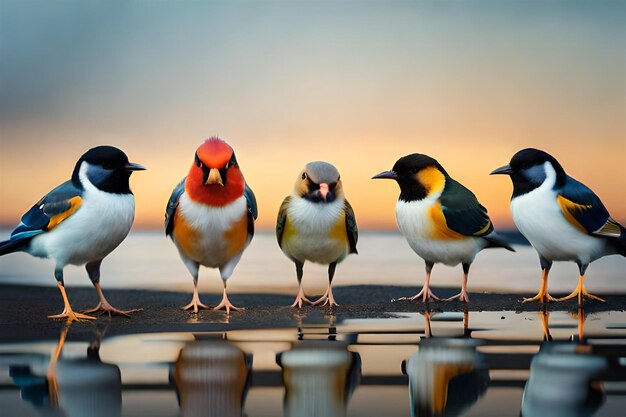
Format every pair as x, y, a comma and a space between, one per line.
24, 309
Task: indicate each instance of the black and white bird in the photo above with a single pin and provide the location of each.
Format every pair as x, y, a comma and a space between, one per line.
442, 221
316, 223
562, 218
81, 221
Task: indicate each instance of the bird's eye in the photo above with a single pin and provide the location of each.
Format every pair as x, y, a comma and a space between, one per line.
107, 165
227, 165
304, 176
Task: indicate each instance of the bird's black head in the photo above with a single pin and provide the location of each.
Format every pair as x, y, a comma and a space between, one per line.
529, 168
417, 175
107, 168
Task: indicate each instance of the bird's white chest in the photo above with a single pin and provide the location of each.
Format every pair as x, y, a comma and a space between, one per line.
100, 224
539, 218
417, 227
209, 226
311, 232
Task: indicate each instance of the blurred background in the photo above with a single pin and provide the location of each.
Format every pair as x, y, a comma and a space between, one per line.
355, 83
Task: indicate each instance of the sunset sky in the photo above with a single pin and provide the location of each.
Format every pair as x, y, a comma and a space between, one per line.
358, 84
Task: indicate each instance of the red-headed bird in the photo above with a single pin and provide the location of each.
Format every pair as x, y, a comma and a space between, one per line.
210, 216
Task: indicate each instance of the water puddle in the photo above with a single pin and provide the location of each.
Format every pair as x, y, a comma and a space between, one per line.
433, 364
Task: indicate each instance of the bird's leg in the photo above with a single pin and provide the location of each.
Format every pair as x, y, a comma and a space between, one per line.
581, 292
300, 297
93, 270
327, 298
51, 374
195, 299
543, 296
226, 303
545, 324
67, 313
425, 293
462, 296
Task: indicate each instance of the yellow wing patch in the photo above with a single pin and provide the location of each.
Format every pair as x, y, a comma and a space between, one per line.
75, 203
339, 232
440, 227
568, 207
431, 179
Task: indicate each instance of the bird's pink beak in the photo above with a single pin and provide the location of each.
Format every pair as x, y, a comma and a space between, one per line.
324, 190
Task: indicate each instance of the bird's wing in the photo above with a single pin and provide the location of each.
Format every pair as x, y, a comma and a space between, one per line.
252, 210
56, 206
172, 204
351, 228
584, 210
462, 211
281, 221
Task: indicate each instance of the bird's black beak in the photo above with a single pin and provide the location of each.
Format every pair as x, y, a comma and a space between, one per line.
505, 170
134, 167
392, 175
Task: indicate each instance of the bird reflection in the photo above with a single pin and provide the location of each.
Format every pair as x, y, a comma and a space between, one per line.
83, 386
319, 378
579, 315
87, 386
212, 378
446, 377
560, 382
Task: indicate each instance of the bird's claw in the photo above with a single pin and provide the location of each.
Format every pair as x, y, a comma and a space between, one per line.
542, 297
426, 296
300, 298
462, 296
108, 308
196, 305
71, 316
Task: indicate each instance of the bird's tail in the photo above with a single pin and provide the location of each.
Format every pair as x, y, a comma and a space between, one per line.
497, 241
14, 245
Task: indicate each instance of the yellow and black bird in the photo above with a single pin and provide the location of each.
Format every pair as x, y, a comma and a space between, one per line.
316, 223
441, 219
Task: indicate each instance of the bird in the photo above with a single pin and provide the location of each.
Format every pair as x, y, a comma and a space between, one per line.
81, 221
442, 221
210, 216
561, 218
316, 223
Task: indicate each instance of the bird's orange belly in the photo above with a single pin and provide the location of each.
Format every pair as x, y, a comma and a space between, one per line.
211, 246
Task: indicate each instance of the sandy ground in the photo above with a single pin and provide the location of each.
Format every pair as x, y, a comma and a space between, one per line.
24, 310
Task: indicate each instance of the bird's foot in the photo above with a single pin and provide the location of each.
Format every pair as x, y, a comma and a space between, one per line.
300, 298
462, 296
71, 316
226, 304
542, 297
105, 307
581, 293
196, 304
426, 294
328, 300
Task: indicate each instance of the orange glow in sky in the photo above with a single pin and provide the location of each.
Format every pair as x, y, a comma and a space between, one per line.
358, 84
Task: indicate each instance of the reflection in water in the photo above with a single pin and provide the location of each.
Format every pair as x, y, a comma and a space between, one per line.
83, 386
88, 386
560, 382
319, 378
212, 378
446, 377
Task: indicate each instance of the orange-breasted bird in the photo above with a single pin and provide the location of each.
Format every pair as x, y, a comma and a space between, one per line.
441, 219
210, 216
81, 221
